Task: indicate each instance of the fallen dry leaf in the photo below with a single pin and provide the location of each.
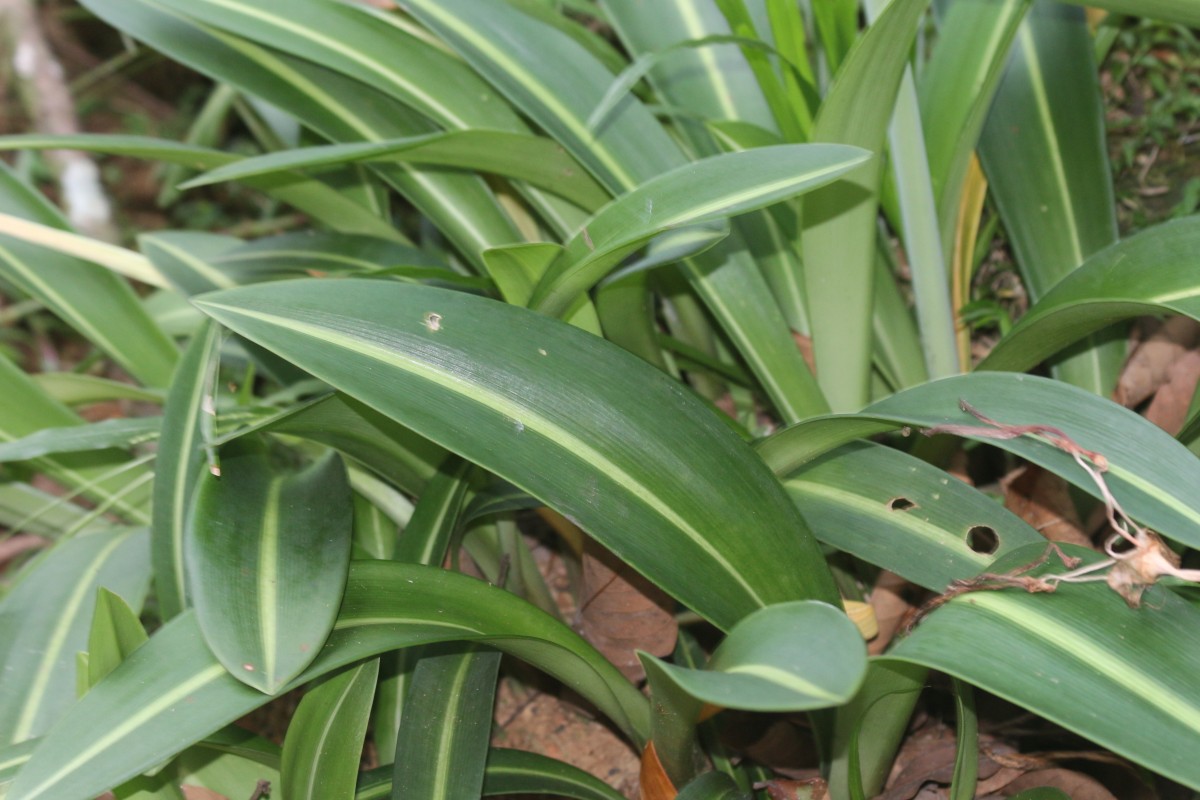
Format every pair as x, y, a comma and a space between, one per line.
653, 778
622, 612
1043, 499
891, 600
1147, 367
1168, 409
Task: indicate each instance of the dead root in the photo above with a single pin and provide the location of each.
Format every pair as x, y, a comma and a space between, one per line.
1137, 556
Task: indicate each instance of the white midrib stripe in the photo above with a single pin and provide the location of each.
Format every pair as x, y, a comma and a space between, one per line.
781, 677
531, 419
268, 581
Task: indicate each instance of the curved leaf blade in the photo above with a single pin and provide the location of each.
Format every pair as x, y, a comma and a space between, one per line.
1122, 677
710, 189
1148, 273
787, 657
290, 532
126, 723
515, 391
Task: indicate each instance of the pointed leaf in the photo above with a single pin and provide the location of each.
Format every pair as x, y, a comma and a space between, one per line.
44, 620
135, 717
515, 391
290, 534
713, 188
116, 632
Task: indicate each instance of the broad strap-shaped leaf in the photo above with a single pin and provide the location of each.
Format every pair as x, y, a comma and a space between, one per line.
134, 718
181, 456
289, 532
1149, 273
447, 724
553, 409
714, 188
45, 618
324, 741
1122, 677
840, 220
85, 296
1045, 154
787, 657
118, 432
1152, 475
900, 513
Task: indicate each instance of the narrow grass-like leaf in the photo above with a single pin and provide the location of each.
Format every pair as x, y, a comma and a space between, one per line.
1149, 273
324, 742
290, 532
714, 188
45, 617
1046, 157
897, 512
552, 395
788, 657
181, 457
126, 723
84, 295
538, 161
122, 433
1151, 474
444, 735
839, 221
1080, 657
321, 202
74, 389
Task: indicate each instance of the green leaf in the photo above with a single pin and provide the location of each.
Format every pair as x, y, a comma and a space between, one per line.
120, 432
85, 296
1081, 657
900, 513
134, 718
45, 617
318, 200
712, 786
324, 740
179, 463
1042, 793
519, 156
1183, 11
1046, 159
1152, 475
289, 531
787, 657
714, 188
515, 391
447, 724
1149, 273
839, 221
116, 632
74, 389
512, 772
230, 762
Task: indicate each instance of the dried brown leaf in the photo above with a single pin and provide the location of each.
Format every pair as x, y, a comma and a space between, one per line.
1043, 500
1168, 410
1147, 367
1076, 785
622, 612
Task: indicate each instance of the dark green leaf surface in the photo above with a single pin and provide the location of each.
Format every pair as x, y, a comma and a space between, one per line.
900, 513
444, 733
787, 657
45, 618
1122, 677
667, 486
1152, 475
289, 532
124, 725
324, 740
